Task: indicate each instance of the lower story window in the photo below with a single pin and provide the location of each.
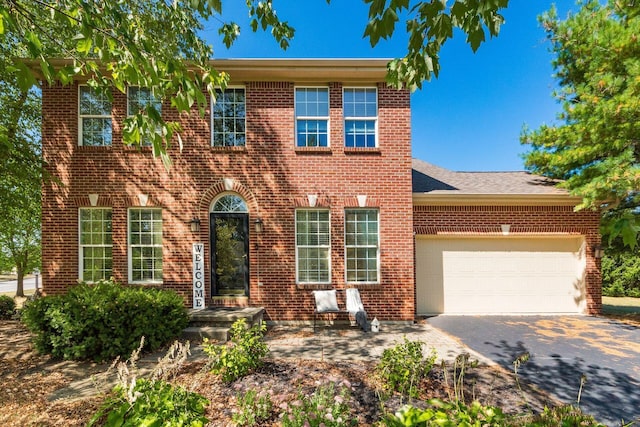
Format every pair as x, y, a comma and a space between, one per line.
362, 247
313, 246
145, 245
96, 259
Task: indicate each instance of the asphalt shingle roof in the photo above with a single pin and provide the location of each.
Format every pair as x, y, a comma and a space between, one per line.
428, 178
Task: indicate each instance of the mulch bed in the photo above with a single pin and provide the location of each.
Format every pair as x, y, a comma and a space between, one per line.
27, 379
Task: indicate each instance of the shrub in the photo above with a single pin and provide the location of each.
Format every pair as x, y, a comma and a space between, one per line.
253, 408
621, 275
104, 320
325, 407
7, 307
404, 366
151, 403
567, 415
441, 413
244, 353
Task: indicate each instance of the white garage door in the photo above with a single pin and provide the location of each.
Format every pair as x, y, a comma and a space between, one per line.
502, 275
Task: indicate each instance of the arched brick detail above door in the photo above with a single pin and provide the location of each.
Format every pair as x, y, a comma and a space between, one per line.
228, 185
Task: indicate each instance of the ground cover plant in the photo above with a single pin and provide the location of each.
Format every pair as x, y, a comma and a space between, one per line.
403, 367
153, 401
242, 354
104, 320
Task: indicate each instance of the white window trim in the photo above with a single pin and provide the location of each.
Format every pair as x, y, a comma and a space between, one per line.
298, 281
360, 118
129, 247
327, 117
81, 246
212, 102
91, 116
355, 282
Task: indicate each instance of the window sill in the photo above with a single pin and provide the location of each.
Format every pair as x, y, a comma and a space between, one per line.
147, 284
313, 150
364, 285
95, 147
362, 150
230, 148
315, 286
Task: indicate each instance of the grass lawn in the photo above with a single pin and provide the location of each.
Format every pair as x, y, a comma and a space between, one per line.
623, 309
620, 305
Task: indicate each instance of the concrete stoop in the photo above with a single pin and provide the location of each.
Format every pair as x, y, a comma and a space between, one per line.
215, 322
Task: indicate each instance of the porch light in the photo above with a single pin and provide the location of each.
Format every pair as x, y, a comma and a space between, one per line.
598, 252
257, 223
195, 225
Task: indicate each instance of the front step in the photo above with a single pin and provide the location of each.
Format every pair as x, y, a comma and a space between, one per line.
197, 333
214, 322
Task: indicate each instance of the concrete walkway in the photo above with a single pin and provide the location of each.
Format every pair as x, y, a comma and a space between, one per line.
337, 343
350, 343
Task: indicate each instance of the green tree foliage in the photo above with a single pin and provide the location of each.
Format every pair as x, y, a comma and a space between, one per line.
429, 25
596, 146
20, 171
126, 42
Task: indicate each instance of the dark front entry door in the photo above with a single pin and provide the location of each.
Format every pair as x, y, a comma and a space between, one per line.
230, 254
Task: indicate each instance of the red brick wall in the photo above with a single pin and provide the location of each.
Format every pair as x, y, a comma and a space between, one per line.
524, 220
270, 173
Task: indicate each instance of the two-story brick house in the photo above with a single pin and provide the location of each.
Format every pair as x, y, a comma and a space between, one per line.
298, 177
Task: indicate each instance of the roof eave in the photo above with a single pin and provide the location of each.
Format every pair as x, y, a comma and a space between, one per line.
485, 199
304, 70
321, 71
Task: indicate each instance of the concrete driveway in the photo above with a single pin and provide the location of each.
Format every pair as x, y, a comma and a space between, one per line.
562, 349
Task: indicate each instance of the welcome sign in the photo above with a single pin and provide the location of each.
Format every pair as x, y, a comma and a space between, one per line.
198, 276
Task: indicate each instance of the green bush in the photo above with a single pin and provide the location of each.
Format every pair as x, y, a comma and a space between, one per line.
253, 408
104, 320
7, 307
567, 415
324, 407
621, 275
404, 366
151, 403
244, 353
441, 413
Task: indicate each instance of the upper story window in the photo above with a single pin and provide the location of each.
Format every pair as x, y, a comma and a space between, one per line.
138, 99
145, 245
313, 246
96, 244
360, 107
229, 118
94, 111
312, 116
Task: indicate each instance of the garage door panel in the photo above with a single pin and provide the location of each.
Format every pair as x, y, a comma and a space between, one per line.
500, 275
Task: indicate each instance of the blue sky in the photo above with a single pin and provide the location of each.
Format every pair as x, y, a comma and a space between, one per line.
471, 117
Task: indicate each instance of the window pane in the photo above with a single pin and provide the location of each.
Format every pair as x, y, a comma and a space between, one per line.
93, 102
313, 245
312, 102
228, 117
360, 110
95, 244
361, 240
145, 240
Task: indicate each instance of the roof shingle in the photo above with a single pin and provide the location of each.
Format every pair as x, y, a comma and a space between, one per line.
431, 179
